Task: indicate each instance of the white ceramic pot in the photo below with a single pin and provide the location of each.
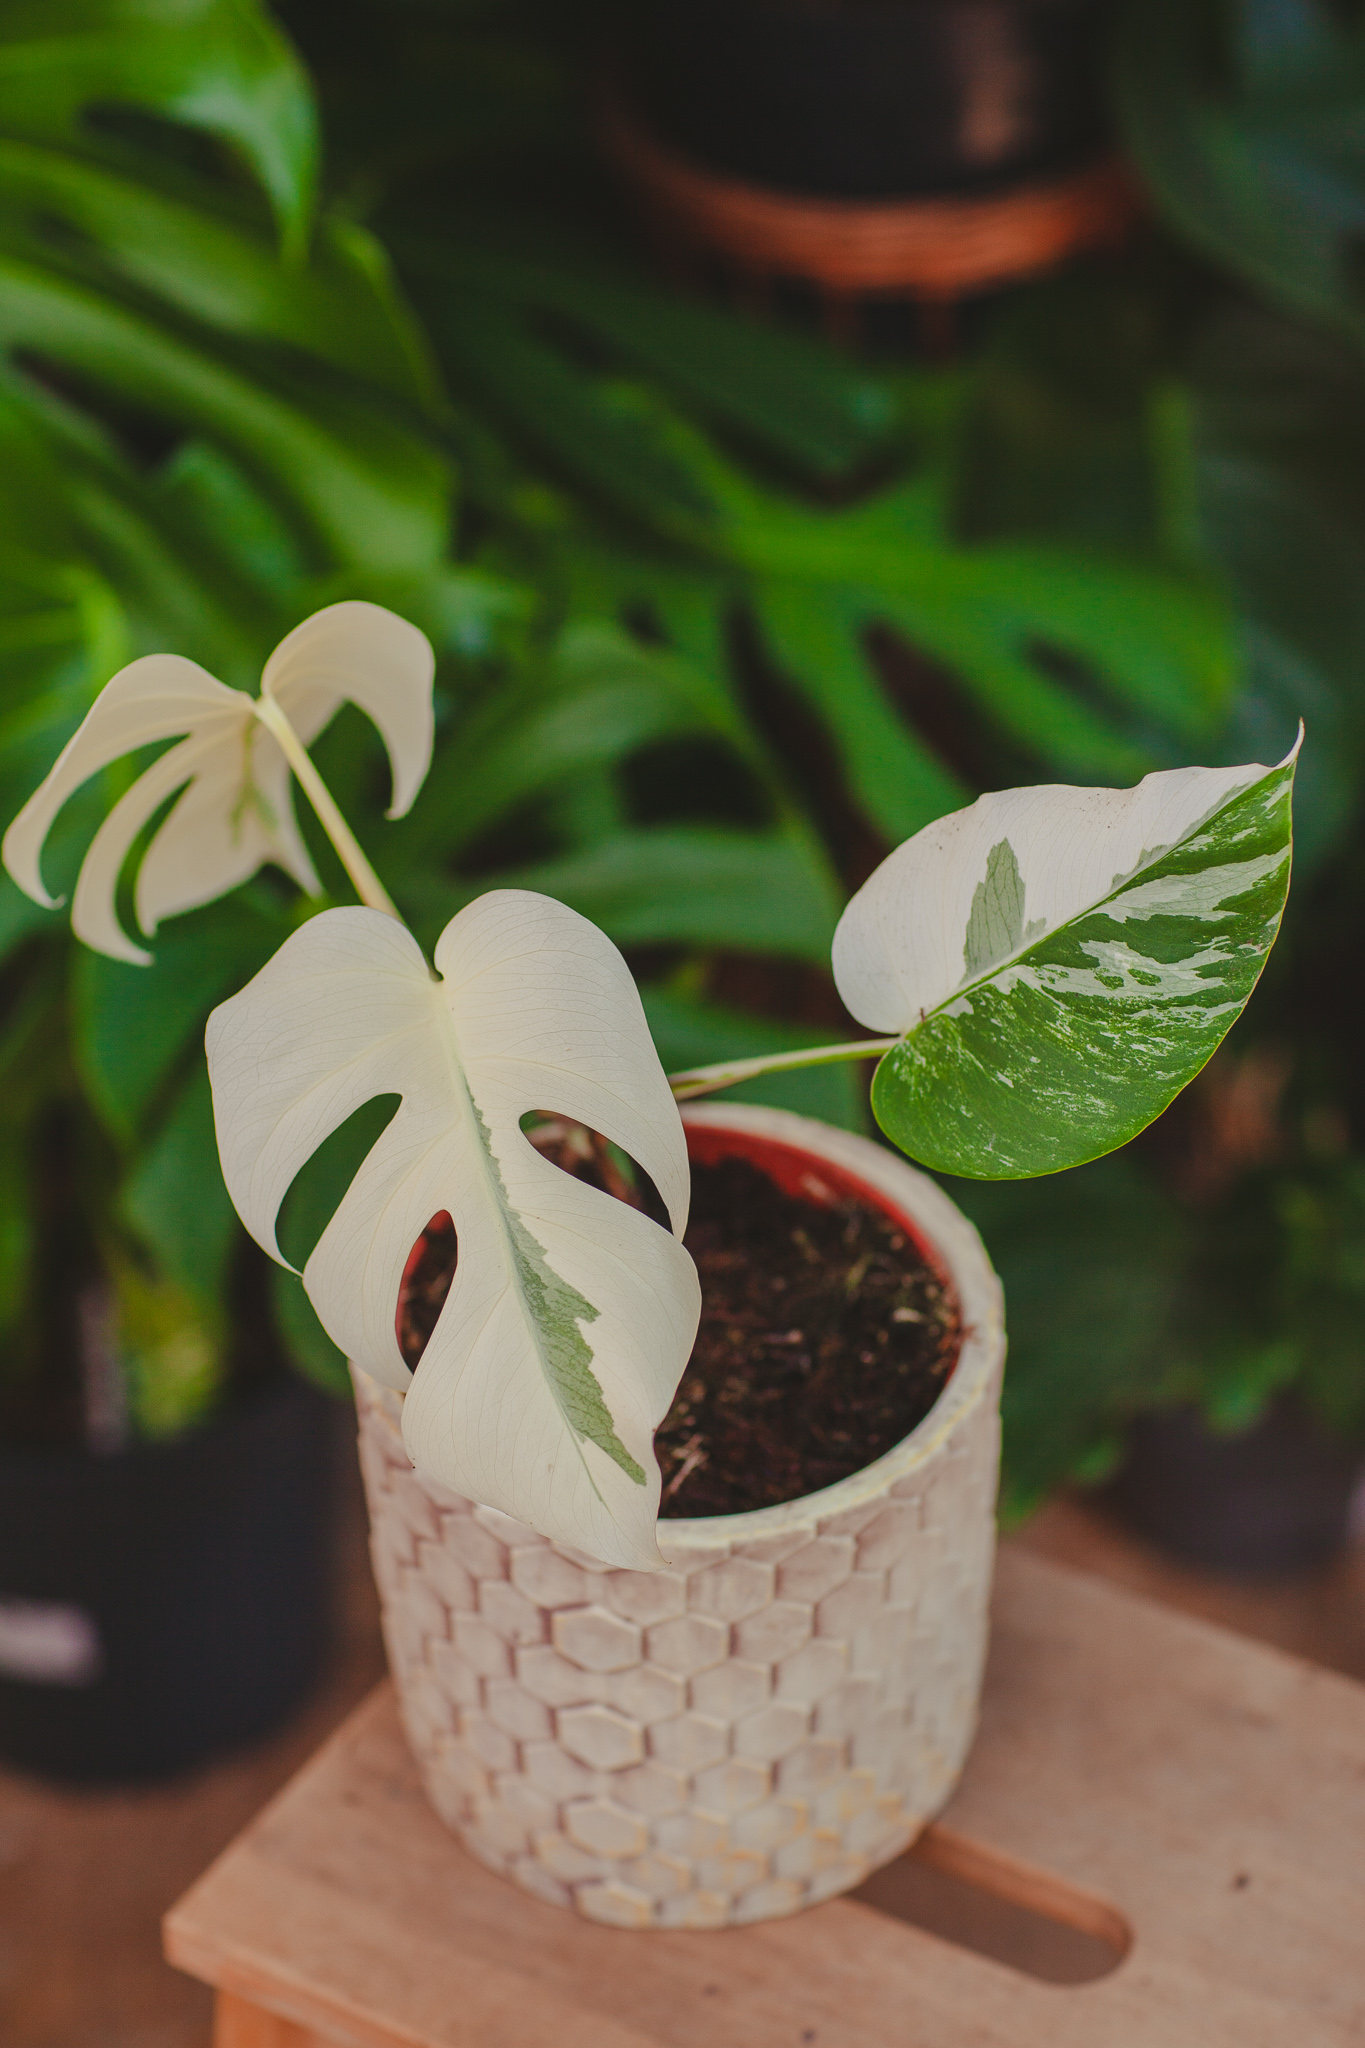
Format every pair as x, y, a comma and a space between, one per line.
772, 1717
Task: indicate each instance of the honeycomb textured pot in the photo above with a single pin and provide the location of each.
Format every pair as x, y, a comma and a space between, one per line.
770, 1718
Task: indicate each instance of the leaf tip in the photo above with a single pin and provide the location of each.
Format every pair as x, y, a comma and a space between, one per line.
103, 934
20, 862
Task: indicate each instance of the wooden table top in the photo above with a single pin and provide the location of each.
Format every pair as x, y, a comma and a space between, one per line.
1160, 1784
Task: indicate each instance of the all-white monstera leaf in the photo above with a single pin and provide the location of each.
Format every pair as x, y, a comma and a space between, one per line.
236, 808
571, 1316
1062, 961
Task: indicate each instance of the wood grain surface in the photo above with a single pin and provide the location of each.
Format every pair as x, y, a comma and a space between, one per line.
1207, 1794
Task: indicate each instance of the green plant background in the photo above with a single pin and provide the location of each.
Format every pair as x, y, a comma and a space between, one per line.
336, 301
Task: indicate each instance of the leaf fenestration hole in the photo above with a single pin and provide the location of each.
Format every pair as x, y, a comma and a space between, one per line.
584, 1154
319, 1186
427, 1276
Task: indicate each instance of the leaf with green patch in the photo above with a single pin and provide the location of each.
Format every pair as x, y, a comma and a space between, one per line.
995, 928
1061, 962
571, 1316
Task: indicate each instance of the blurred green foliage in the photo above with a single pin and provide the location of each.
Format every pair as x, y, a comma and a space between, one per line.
720, 613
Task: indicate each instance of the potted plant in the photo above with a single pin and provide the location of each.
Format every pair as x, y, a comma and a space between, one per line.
1252, 1462
1261, 1496
696, 1719
846, 99
925, 148
164, 1480
165, 1595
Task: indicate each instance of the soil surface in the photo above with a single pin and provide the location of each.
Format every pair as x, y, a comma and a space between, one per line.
824, 1339
824, 1336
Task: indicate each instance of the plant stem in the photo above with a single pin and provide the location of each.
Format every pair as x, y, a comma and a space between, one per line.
364, 880
706, 1080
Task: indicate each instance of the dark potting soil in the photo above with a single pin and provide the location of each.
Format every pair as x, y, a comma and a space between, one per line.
824, 1337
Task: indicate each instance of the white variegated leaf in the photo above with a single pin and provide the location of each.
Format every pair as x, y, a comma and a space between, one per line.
236, 807
1062, 961
571, 1316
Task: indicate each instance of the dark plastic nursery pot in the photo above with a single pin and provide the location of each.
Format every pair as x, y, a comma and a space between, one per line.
870, 99
1270, 1499
165, 1603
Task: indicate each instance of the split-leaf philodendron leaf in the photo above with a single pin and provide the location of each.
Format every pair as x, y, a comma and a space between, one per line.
570, 1316
236, 807
1063, 961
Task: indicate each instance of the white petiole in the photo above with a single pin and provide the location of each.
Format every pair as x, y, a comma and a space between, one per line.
365, 881
727, 1073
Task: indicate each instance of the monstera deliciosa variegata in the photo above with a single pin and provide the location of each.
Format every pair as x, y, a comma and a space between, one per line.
1050, 965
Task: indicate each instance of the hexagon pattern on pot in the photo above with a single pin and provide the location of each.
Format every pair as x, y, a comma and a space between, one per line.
748, 1732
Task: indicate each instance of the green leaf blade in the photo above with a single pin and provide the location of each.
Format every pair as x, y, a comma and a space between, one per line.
1071, 1046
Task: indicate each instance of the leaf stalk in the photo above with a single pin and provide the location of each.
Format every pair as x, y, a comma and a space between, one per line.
693, 1081
364, 880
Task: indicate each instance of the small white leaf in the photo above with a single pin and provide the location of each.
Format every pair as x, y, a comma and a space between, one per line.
236, 808
378, 661
571, 1316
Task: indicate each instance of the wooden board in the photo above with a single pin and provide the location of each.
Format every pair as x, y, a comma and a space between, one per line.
1137, 1773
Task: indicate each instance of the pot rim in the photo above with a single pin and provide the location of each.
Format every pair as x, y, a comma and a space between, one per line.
895, 1185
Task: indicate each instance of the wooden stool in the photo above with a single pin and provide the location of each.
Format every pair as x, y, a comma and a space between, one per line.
1161, 1828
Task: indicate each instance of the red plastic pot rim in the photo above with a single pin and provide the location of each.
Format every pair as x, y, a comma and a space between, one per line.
809, 1178
792, 1169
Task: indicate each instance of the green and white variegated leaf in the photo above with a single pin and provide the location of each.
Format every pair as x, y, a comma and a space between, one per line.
1062, 961
236, 807
571, 1316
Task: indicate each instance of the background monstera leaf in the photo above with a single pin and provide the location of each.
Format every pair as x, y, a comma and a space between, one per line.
570, 1316
1062, 961
210, 358
1245, 122
235, 809
220, 65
